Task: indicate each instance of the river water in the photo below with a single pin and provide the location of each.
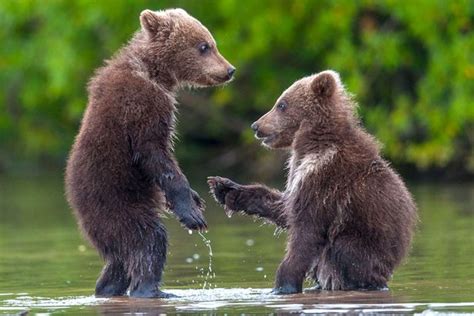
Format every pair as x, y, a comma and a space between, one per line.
47, 267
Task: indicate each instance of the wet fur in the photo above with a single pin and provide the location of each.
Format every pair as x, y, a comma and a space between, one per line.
348, 214
121, 171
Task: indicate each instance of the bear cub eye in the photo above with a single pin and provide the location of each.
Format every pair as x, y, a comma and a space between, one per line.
204, 48
282, 106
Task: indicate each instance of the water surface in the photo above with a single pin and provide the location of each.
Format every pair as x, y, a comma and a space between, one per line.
46, 266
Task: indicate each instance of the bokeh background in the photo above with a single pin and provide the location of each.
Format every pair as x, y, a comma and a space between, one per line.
410, 65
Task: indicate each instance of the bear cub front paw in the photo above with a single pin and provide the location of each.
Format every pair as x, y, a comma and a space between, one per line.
220, 187
200, 203
193, 220
225, 192
189, 212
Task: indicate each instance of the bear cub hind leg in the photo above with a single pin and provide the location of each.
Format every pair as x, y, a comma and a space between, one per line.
147, 263
113, 280
349, 265
300, 257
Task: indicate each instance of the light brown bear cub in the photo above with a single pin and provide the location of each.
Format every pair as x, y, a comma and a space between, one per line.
349, 216
121, 171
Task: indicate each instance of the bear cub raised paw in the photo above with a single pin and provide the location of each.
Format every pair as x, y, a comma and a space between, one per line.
349, 216
121, 171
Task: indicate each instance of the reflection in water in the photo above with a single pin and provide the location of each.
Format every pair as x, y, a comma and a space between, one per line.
257, 300
45, 266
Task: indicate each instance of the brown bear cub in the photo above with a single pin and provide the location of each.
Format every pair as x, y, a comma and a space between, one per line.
121, 169
349, 216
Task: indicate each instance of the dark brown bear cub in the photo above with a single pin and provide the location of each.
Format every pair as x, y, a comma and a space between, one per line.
121, 169
349, 216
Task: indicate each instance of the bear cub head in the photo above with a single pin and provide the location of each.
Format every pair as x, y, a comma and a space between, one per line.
180, 47
317, 102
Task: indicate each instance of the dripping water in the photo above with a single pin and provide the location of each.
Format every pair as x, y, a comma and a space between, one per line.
210, 274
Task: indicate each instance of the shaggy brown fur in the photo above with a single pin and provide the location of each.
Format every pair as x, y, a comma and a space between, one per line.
349, 216
121, 169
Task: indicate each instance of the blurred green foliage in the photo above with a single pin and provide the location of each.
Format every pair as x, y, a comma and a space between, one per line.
410, 65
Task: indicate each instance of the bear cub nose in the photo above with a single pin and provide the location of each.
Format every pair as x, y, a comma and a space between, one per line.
230, 72
254, 126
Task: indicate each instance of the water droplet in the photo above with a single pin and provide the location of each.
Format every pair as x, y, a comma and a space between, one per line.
250, 242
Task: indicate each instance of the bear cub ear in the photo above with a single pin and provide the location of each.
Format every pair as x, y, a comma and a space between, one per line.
151, 21
326, 83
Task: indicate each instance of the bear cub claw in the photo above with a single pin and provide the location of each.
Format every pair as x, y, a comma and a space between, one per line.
220, 187
193, 221
190, 214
